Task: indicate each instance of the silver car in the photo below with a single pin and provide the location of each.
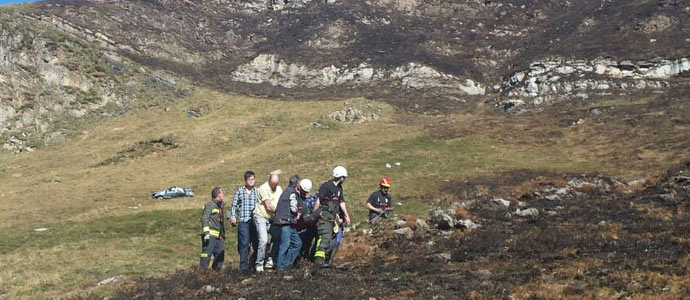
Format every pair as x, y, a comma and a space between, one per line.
173, 192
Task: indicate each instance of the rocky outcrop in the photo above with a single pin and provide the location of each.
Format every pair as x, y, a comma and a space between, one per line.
269, 68
52, 73
560, 78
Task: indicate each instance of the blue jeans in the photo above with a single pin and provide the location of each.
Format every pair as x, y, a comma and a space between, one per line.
290, 245
246, 236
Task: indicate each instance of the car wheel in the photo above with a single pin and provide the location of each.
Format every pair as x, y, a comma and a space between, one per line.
158, 197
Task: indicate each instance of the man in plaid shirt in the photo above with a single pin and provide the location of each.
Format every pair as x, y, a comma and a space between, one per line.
240, 214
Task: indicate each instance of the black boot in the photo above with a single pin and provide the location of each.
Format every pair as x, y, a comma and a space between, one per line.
319, 261
331, 257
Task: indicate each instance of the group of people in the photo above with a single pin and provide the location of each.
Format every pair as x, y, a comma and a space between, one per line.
282, 226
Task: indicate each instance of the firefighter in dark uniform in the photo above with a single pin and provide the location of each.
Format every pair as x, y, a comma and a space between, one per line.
379, 203
329, 205
213, 231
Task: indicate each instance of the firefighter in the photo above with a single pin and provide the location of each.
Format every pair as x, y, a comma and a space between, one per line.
330, 204
213, 231
379, 203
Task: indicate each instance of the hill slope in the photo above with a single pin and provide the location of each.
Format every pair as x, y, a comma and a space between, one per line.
102, 102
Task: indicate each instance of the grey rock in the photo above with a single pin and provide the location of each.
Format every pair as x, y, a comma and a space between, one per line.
553, 79
269, 68
552, 197
527, 213
442, 256
467, 224
406, 231
350, 115
208, 288
439, 218
422, 225
501, 202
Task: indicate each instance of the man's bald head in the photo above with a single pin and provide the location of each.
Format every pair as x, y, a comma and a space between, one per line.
274, 178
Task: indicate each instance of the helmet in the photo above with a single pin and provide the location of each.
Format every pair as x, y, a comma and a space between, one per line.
305, 184
339, 171
385, 182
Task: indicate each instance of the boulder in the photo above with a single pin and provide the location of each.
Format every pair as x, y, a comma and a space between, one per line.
441, 219
422, 225
527, 213
467, 224
406, 231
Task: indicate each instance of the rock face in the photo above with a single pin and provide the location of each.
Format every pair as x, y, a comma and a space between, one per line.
66, 59
431, 51
268, 68
547, 80
50, 74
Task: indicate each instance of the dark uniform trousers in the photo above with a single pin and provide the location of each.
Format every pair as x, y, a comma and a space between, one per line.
212, 247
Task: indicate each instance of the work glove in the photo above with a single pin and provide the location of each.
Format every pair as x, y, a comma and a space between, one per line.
207, 236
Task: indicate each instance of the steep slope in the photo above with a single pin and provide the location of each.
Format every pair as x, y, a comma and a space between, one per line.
425, 55
343, 42
49, 78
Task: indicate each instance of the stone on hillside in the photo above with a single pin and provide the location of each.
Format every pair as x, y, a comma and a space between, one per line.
406, 231
422, 225
502, 202
527, 213
350, 115
442, 220
467, 224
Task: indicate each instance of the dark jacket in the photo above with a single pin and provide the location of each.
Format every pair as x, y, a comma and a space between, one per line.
379, 200
288, 207
212, 219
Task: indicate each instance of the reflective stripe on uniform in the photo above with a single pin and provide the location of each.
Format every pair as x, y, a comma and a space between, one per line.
203, 255
319, 253
205, 229
214, 233
215, 211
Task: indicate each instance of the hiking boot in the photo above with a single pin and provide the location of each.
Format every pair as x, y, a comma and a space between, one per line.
319, 262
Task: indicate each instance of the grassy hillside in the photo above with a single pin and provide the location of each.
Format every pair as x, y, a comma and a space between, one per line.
91, 190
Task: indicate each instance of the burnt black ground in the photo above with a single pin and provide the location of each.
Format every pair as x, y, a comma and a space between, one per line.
605, 236
481, 40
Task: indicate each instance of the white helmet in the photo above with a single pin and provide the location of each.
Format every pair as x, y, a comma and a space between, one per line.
305, 184
339, 171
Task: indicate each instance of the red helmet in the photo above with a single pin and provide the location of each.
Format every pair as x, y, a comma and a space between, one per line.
385, 182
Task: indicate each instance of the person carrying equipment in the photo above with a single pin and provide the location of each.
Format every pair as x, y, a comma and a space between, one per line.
330, 204
212, 232
287, 214
379, 203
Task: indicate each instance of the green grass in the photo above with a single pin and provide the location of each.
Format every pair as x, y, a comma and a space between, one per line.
140, 243
94, 234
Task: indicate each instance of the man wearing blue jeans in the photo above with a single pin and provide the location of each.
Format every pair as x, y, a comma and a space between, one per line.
287, 213
240, 214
